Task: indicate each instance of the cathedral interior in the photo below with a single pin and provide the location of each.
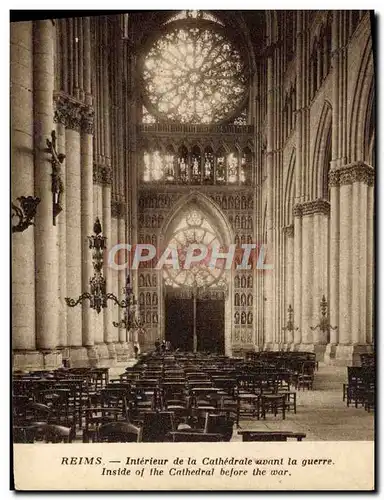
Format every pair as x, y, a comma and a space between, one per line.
165, 129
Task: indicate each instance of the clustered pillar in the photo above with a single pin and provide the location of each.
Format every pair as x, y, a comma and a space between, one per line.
352, 185
46, 234
22, 184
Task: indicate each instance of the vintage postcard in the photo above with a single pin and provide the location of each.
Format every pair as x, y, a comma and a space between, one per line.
193, 249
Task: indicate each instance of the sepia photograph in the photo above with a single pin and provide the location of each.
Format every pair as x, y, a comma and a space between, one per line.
192, 248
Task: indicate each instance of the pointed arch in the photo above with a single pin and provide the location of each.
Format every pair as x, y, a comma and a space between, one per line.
207, 206
361, 97
321, 155
370, 129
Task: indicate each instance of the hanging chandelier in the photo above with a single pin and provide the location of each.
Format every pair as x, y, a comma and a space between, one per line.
98, 296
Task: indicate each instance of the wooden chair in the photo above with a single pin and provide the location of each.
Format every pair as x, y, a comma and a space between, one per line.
119, 432
219, 424
49, 433
97, 416
57, 434
290, 400
248, 405
156, 425
306, 376
273, 403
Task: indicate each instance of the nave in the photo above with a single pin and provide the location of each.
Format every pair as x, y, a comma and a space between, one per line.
196, 397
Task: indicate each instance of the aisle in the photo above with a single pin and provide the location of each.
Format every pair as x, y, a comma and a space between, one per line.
322, 414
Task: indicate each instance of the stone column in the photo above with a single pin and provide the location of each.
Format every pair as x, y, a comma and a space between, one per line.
354, 181
22, 184
269, 274
320, 210
114, 274
307, 277
46, 251
298, 273
334, 272
87, 222
345, 291
289, 279
321, 283
97, 212
370, 259
62, 230
74, 237
107, 230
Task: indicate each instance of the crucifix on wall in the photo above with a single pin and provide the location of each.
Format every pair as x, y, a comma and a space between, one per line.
57, 183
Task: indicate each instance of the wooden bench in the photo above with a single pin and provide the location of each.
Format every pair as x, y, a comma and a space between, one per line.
250, 435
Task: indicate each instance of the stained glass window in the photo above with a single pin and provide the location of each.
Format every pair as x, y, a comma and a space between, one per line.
197, 166
232, 168
193, 74
194, 228
153, 166
208, 165
147, 117
241, 119
169, 161
194, 14
220, 168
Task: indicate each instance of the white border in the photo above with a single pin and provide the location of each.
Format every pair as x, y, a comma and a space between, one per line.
5, 165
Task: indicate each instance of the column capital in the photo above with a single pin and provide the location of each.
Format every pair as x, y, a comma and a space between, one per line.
88, 120
351, 173
102, 174
73, 114
312, 207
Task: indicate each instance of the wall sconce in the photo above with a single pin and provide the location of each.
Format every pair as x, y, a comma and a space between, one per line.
57, 183
98, 296
324, 326
24, 213
290, 326
131, 317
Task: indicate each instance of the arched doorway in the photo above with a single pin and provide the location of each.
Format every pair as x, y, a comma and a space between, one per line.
196, 295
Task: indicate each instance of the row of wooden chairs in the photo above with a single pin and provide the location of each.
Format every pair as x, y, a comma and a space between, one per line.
361, 387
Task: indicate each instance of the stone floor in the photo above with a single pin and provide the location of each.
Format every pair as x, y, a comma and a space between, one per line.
321, 413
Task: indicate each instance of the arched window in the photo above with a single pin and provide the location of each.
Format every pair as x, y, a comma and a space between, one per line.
220, 166
233, 167
170, 164
183, 164
196, 165
208, 166
154, 166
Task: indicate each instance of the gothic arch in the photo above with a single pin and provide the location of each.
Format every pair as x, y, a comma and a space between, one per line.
207, 206
321, 154
361, 99
370, 130
220, 223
